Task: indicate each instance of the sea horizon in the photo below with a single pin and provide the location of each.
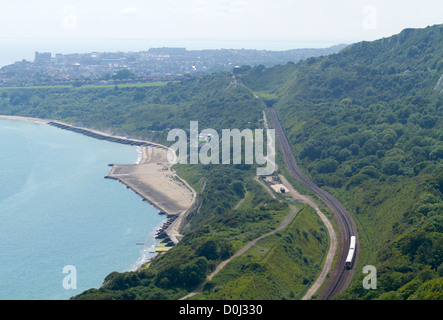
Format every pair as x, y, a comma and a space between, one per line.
17, 49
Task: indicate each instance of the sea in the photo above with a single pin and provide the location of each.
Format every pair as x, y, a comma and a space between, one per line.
63, 227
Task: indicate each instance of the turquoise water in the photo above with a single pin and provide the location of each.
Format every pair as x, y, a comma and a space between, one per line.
57, 210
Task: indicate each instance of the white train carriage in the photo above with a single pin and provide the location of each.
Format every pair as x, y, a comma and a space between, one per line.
350, 257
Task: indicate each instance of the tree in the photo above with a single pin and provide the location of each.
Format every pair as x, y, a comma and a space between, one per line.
209, 250
195, 272
370, 147
327, 166
139, 96
226, 250
239, 189
389, 138
437, 153
169, 277
208, 286
123, 75
311, 151
390, 167
428, 121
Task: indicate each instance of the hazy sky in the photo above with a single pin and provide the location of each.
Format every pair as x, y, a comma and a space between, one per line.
344, 20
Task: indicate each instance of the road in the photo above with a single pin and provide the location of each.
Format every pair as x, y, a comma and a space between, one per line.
340, 277
333, 242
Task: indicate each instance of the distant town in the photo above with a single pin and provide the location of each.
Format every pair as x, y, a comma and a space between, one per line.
156, 64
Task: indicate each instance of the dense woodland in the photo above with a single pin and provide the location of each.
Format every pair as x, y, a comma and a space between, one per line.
365, 123
148, 112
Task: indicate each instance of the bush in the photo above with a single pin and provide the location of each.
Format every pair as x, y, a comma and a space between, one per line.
390, 167
209, 250
213, 250
327, 166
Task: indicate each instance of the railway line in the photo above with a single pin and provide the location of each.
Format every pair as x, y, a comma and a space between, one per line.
341, 275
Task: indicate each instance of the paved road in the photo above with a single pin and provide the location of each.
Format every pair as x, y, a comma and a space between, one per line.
340, 276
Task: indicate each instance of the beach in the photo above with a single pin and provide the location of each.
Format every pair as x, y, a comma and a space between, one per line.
152, 177
156, 182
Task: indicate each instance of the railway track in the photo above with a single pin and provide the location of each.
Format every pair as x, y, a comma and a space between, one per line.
340, 277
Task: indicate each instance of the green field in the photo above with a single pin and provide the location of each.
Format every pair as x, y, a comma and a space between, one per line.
95, 86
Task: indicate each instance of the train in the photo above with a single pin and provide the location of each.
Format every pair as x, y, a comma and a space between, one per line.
350, 257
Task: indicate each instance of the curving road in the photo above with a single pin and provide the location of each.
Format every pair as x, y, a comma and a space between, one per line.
340, 277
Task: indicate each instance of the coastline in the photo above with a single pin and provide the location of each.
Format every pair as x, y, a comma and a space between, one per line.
38, 120
151, 177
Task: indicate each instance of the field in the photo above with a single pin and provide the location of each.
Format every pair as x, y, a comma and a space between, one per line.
95, 86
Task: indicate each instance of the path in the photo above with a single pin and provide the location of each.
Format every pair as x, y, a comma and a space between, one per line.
241, 201
283, 225
332, 237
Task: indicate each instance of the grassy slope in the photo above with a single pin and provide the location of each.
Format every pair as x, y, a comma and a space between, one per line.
214, 231
372, 135
278, 267
362, 127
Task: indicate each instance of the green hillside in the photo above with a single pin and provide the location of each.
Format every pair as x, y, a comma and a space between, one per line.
367, 124
216, 229
148, 112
